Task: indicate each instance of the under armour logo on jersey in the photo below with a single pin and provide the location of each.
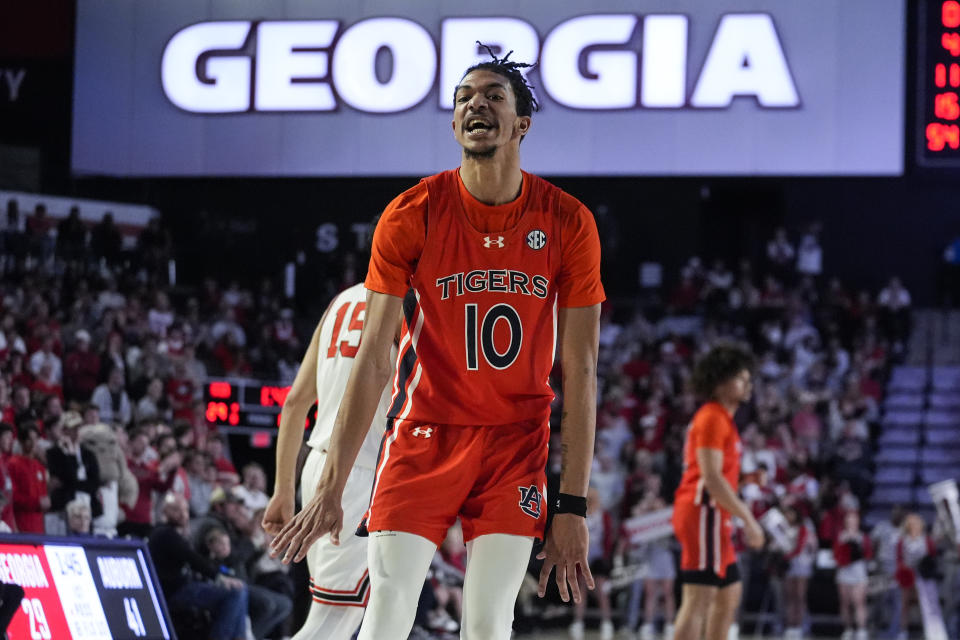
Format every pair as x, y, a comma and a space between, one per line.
536, 239
490, 242
422, 431
530, 500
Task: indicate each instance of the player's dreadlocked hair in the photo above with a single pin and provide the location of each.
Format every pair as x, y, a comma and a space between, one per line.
721, 363
509, 69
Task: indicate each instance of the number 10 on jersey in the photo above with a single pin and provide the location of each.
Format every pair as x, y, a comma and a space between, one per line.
482, 334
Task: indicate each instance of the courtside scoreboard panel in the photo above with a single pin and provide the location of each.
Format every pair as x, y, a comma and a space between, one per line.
628, 87
87, 588
245, 402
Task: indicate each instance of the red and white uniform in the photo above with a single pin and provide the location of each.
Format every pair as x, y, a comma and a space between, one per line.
804, 551
910, 551
338, 573
468, 431
851, 553
702, 526
339, 341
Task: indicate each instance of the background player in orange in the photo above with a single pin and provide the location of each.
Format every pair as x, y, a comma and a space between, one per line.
504, 268
707, 497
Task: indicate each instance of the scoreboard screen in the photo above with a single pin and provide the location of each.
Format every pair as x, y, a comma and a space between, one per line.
938, 78
83, 589
242, 402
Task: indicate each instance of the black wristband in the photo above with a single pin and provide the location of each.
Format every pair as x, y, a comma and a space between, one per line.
566, 503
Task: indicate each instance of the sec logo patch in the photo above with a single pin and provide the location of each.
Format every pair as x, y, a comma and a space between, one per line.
536, 239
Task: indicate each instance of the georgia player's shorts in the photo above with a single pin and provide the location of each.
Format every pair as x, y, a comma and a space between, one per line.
705, 535
492, 477
338, 573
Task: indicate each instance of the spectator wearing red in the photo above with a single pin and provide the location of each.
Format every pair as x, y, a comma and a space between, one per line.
852, 549
81, 368
45, 384
6, 480
152, 476
19, 374
7, 411
916, 558
29, 479
23, 410
800, 569
46, 356
181, 393
758, 492
227, 475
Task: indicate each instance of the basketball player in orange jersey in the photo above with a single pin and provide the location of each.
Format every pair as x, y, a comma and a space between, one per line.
504, 268
707, 498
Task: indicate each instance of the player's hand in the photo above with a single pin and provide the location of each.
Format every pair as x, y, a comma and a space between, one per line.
754, 534
278, 513
320, 516
566, 547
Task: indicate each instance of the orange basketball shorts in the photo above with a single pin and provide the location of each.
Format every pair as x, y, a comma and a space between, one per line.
705, 535
492, 477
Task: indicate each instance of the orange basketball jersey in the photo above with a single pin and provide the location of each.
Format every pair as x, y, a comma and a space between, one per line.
711, 428
480, 329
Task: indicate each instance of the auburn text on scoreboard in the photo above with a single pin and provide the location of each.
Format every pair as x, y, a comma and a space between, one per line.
391, 64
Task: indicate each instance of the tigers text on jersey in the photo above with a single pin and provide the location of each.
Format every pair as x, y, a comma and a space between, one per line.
339, 342
480, 331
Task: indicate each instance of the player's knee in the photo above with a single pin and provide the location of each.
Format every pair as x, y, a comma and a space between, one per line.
496, 626
393, 594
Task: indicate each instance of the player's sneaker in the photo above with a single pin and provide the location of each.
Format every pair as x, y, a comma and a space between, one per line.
576, 630
440, 620
861, 634
668, 631
606, 630
847, 634
734, 632
647, 632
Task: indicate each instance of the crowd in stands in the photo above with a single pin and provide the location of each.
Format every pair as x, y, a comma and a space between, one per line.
103, 429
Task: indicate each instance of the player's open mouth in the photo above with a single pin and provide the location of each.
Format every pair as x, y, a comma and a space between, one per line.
478, 126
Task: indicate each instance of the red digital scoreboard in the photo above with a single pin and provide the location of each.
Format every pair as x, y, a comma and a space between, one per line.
247, 403
938, 79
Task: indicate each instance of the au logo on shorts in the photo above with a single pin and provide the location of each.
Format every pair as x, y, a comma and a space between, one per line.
530, 500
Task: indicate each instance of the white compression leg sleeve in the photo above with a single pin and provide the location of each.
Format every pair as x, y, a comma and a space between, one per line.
496, 564
398, 565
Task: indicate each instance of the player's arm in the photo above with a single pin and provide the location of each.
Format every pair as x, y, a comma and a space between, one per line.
370, 373
567, 540
369, 376
579, 330
303, 393
711, 470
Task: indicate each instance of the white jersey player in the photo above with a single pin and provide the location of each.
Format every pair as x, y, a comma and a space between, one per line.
338, 569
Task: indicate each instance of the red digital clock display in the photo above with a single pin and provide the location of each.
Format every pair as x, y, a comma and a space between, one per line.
939, 82
246, 403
